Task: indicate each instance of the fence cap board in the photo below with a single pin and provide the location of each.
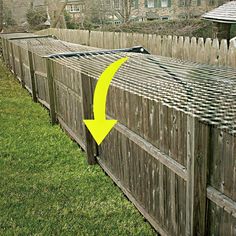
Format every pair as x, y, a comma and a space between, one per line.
15, 35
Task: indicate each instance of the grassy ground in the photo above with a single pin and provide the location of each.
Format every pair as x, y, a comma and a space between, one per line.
46, 187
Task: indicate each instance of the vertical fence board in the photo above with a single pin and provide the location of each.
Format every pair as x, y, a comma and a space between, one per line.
87, 101
32, 76
232, 54
49, 65
223, 57
197, 153
21, 67
193, 49
208, 46
13, 59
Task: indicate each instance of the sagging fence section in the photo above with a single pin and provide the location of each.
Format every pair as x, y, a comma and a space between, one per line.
173, 150
209, 51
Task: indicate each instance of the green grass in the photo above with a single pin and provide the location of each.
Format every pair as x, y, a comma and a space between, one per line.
46, 186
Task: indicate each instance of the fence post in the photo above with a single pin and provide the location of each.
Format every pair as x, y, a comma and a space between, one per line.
87, 110
3, 49
32, 76
13, 59
196, 196
51, 91
21, 68
7, 60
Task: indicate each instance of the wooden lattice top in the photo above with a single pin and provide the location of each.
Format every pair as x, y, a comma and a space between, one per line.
205, 92
225, 13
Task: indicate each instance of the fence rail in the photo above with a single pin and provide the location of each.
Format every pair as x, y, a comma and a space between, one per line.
173, 156
209, 51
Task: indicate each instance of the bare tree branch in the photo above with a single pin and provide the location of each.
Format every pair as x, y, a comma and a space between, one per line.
60, 15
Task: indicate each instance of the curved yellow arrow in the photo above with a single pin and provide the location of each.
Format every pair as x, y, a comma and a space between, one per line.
100, 126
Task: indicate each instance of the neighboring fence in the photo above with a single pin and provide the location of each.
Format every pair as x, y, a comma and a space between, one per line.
173, 150
209, 51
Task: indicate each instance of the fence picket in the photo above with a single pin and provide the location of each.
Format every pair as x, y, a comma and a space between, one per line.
232, 54
193, 48
208, 45
200, 51
223, 57
185, 48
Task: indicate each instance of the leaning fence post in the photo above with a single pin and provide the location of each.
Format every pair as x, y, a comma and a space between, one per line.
13, 59
51, 90
32, 75
3, 49
87, 109
21, 68
6, 52
196, 197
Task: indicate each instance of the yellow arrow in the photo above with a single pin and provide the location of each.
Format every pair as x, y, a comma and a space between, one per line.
100, 126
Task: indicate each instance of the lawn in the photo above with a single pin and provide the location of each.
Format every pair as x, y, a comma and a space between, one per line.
46, 186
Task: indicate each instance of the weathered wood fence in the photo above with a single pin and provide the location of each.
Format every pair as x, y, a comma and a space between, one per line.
209, 51
173, 152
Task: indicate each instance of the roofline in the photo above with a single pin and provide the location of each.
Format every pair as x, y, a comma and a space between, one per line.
218, 20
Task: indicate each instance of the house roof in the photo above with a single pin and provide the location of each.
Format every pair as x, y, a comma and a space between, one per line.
224, 14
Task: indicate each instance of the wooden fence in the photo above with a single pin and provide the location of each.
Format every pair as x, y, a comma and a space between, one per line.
177, 168
209, 51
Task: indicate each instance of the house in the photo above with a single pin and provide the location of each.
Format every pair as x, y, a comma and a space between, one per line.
75, 8
144, 10
223, 17
55, 9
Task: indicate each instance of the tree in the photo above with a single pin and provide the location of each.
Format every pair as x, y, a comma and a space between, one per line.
8, 20
126, 5
124, 10
100, 10
60, 15
36, 18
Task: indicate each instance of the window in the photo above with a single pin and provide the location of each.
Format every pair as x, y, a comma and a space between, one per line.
116, 4
73, 8
184, 3
164, 3
150, 3
76, 8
